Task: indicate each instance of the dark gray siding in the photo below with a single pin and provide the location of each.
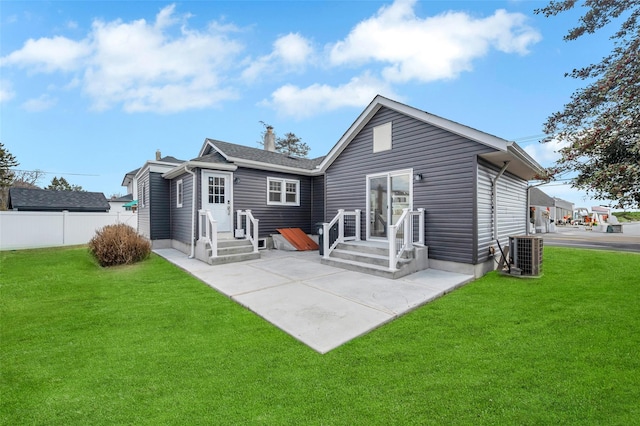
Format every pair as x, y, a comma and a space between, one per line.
317, 200
447, 192
144, 223
158, 201
250, 192
181, 217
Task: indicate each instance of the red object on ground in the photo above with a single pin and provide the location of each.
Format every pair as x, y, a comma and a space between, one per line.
299, 239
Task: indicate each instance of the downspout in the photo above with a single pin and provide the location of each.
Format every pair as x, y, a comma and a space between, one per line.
494, 201
193, 212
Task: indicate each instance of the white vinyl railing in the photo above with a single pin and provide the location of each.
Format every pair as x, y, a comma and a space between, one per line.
208, 230
250, 228
402, 235
345, 226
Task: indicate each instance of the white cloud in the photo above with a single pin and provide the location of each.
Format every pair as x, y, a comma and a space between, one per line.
299, 102
546, 153
6, 91
42, 103
433, 48
49, 55
290, 53
140, 65
163, 74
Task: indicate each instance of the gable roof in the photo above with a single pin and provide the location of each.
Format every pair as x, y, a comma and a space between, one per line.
29, 199
235, 153
520, 163
217, 154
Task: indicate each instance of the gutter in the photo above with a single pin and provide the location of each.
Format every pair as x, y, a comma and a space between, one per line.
193, 212
494, 201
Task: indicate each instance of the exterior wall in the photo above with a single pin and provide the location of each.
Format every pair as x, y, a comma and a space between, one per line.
158, 203
447, 192
117, 206
181, 217
144, 210
317, 200
250, 192
511, 207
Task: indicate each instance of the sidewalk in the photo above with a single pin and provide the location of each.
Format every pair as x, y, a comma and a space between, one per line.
321, 306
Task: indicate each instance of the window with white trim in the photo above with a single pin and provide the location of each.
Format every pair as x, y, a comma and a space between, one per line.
143, 195
179, 193
284, 192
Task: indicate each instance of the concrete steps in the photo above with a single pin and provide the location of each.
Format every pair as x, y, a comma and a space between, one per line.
231, 251
374, 259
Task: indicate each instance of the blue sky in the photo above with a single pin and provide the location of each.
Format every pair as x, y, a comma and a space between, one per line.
90, 90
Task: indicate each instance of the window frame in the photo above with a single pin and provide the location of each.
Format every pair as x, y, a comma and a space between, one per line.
143, 198
283, 192
179, 193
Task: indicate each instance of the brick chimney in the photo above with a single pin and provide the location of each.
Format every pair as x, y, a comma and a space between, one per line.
270, 140
158, 155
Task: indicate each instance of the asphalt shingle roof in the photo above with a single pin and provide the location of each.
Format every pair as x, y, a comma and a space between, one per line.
263, 156
170, 159
48, 200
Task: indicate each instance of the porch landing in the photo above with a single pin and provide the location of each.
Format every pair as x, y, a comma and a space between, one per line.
320, 305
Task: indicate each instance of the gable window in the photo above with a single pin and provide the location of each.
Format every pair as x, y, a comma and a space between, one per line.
179, 193
382, 137
283, 192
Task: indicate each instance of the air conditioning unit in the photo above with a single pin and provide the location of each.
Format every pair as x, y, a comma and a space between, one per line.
526, 255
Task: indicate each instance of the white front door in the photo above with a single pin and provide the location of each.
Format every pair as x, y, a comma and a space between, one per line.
217, 197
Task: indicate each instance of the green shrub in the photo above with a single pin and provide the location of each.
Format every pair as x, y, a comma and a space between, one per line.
119, 245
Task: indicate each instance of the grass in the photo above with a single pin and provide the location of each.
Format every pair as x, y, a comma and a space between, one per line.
627, 216
149, 344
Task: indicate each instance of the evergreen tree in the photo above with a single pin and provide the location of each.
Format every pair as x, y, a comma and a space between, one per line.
61, 184
7, 161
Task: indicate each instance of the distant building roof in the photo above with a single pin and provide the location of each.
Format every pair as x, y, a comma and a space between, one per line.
563, 204
123, 199
539, 198
28, 199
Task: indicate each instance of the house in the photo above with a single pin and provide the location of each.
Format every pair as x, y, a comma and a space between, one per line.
427, 189
30, 199
121, 204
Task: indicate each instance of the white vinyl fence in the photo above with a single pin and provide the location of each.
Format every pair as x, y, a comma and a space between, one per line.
22, 230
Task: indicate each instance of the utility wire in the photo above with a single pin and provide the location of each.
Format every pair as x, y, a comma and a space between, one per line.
53, 173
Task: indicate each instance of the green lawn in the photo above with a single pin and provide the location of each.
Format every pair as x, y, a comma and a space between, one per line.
149, 344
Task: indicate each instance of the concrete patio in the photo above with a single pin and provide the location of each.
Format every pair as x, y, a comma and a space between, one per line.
321, 306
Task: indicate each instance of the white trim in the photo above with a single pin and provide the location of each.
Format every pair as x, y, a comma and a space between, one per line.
156, 167
178, 170
143, 197
273, 167
283, 192
368, 206
179, 193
